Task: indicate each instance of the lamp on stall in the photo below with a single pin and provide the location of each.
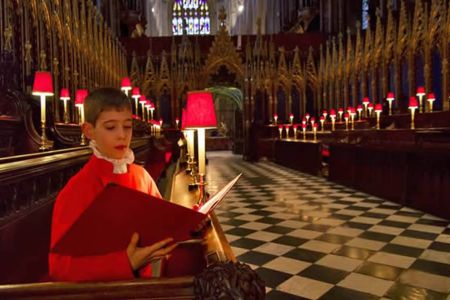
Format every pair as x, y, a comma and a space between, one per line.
275, 118
370, 109
346, 116
152, 109
333, 118
352, 113
322, 123
359, 109
64, 95
280, 131
295, 126
420, 93
189, 134
291, 118
307, 116
431, 98
286, 127
413, 105
315, 131
378, 110
340, 112
366, 102
147, 109
80, 95
136, 94
125, 86
390, 97
313, 121
304, 131
43, 87
201, 115
143, 101
325, 114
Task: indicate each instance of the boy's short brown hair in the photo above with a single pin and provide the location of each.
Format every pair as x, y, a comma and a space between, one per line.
104, 99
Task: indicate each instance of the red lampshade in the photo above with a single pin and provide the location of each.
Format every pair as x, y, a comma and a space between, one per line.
307, 115
280, 127
390, 96
346, 115
322, 118
332, 113
366, 100
135, 92
304, 125
147, 103
200, 110
420, 91
43, 84
341, 110
304, 121
431, 97
152, 105
295, 126
287, 126
378, 107
313, 120
64, 94
315, 125
80, 95
126, 83
370, 106
359, 108
413, 102
291, 115
324, 112
142, 99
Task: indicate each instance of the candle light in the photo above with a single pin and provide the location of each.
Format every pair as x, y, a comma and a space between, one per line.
413, 105
431, 98
280, 131
378, 110
390, 97
333, 118
420, 93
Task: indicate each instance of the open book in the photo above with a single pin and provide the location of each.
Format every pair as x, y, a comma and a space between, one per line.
107, 224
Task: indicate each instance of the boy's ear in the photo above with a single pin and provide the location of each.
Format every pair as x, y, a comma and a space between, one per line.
88, 130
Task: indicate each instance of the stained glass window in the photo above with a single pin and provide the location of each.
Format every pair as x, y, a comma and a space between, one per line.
365, 14
191, 16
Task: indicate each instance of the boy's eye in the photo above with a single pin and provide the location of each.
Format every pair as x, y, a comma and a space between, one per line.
110, 128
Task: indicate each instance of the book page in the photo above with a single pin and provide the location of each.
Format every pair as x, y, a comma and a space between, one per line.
217, 198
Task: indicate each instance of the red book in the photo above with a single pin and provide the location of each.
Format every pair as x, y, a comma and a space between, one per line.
117, 212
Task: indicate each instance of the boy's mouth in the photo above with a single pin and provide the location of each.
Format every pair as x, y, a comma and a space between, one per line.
122, 147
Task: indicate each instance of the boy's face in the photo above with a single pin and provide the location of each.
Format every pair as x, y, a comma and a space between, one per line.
112, 132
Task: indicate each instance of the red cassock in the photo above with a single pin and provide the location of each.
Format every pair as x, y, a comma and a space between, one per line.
73, 199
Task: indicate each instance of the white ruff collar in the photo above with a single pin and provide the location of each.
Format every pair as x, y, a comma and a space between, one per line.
120, 165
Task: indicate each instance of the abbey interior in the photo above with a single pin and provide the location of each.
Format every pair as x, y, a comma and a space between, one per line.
335, 112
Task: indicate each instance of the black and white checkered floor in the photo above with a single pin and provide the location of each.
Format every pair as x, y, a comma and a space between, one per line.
309, 238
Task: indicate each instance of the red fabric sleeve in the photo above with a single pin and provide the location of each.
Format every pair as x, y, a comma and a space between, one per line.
107, 267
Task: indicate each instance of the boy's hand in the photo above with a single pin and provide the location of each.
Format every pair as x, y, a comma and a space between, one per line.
140, 256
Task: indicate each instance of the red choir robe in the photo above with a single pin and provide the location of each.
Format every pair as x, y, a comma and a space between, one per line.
72, 200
